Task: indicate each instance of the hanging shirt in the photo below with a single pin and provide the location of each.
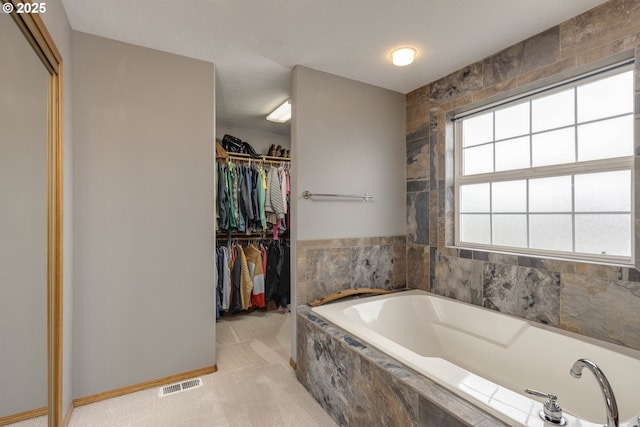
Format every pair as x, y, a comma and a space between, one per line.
223, 198
226, 277
274, 266
282, 174
240, 206
235, 304
246, 284
232, 202
273, 203
254, 262
261, 190
255, 177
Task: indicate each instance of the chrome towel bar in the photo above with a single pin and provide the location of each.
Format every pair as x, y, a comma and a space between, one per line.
366, 196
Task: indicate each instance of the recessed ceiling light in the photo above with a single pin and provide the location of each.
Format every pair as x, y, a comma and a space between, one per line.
403, 56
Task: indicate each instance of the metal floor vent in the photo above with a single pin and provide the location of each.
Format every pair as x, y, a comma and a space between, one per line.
179, 387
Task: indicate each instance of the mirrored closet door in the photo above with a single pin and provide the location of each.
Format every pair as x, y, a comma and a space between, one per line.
30, 219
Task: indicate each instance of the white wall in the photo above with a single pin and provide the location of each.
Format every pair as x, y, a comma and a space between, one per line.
144, 296
58, 25
348, 137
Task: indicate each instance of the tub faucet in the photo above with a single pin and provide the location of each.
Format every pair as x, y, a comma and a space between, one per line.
605, 387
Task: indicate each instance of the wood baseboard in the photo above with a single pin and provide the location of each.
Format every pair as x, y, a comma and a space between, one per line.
142, 386
23, 416
292, 363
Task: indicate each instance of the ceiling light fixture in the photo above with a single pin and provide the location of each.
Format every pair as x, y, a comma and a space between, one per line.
281, 114
403, 56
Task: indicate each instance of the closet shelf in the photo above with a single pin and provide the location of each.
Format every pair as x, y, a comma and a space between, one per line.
263, 158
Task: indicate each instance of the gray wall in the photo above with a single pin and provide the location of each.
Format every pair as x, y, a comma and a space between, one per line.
347, 137
59, 28
144, 301
23, 223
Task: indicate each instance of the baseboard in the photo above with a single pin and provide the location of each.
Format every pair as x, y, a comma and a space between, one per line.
67, 417
142, 386
292, 363
23, 416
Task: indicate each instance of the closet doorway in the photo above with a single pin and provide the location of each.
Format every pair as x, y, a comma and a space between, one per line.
253, 289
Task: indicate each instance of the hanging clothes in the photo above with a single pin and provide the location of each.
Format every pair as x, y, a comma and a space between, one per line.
253, 275
252, 198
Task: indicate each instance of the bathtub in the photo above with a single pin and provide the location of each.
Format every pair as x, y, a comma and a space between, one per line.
489, 358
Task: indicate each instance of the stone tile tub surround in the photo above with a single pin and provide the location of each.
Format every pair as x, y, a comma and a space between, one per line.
508, 354
327, 266
599, 301
359, 385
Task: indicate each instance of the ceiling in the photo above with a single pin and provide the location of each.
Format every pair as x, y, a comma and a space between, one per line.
256, 43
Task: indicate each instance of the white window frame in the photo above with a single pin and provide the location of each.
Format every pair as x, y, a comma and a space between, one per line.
592, 166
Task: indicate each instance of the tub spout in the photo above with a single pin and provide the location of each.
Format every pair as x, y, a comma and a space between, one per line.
605, 387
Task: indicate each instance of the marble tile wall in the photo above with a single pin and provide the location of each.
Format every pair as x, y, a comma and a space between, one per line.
590, 299
361, 386
327, 266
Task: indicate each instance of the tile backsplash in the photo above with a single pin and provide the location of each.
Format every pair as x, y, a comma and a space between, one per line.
327, 266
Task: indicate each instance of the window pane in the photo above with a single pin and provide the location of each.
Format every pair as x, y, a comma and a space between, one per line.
551, 203
606, 139
510, 230
603, 192
478, 159
551, 232
603, 234
512, 154
550, 194
512, 121
554, 148
477, 130
606, 97
509, 196
474, 198
475, 228
553, 111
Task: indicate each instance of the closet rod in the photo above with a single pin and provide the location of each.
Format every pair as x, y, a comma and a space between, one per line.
262, 159
366, 196
249, 237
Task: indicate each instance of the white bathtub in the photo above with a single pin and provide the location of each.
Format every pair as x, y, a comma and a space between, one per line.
489, 358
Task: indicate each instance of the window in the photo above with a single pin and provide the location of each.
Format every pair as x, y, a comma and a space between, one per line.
550, 173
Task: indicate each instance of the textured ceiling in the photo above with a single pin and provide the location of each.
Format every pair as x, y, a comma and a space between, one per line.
256, 43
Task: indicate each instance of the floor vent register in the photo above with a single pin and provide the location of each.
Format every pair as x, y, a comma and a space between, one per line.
180, 387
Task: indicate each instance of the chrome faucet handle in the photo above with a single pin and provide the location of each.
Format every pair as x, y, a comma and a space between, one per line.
552, 412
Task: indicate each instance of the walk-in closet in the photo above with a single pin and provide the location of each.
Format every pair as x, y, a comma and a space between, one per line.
252, 255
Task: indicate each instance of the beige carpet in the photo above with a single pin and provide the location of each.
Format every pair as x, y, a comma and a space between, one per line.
254, 386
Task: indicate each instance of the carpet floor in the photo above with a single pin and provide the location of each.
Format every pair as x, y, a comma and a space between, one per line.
254, 386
